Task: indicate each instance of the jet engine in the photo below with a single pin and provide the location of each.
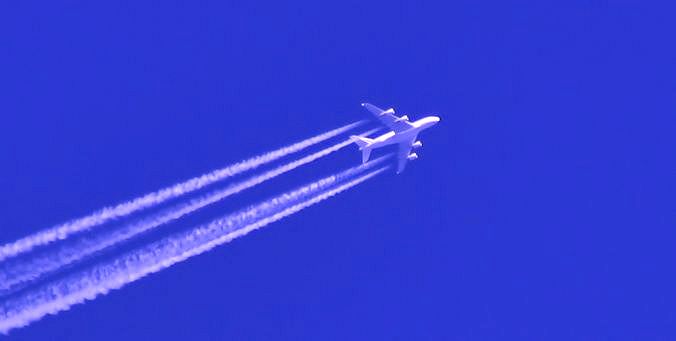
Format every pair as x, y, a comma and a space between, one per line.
412, 156
403, 118
417, 144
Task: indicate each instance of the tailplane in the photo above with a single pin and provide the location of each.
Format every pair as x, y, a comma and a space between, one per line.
365, 153
364, 144
361, 141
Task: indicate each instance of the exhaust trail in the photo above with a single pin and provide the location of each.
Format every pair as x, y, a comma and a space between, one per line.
14, 275
22, 271
105, 214
62, 294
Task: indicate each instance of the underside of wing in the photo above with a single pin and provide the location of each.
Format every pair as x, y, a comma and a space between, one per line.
402, 155
397, 124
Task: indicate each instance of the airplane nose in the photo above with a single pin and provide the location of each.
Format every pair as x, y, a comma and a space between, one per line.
436, 119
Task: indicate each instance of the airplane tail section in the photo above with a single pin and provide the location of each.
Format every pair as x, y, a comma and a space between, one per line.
364, 145
365, 153
362, 142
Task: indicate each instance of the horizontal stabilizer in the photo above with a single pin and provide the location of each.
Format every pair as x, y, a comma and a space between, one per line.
364, 144
361, 141
365, 155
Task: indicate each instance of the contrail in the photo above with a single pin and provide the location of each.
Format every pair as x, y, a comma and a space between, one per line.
111, 212
62, 294
12, 275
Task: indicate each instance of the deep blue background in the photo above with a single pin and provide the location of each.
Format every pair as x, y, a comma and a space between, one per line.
541, 206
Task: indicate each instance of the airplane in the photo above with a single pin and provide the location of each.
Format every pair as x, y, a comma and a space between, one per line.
404, 133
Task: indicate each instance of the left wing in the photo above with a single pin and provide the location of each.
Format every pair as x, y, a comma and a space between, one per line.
402, 156
398, 124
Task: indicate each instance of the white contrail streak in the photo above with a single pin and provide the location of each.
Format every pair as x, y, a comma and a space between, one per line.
62, 294
23, 271
111, 212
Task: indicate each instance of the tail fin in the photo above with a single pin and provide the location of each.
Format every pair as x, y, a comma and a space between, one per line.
363, 143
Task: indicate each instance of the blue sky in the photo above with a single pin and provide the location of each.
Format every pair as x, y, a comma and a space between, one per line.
541, 206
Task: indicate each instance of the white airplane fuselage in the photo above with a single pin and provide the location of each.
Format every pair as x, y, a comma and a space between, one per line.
406, 135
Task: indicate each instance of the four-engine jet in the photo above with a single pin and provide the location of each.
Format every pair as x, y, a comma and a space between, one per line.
404, 133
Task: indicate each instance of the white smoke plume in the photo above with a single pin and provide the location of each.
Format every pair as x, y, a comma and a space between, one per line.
62, 294
105, 214
22, 271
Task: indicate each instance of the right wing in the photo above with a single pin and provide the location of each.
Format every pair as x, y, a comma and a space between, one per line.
398, 124
402, 156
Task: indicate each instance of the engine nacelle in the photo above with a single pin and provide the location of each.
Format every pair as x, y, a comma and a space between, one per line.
417, 144
412, 156
388, 111
403, 118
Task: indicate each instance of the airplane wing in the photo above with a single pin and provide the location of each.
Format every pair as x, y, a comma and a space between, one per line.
388, 118
402, 155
